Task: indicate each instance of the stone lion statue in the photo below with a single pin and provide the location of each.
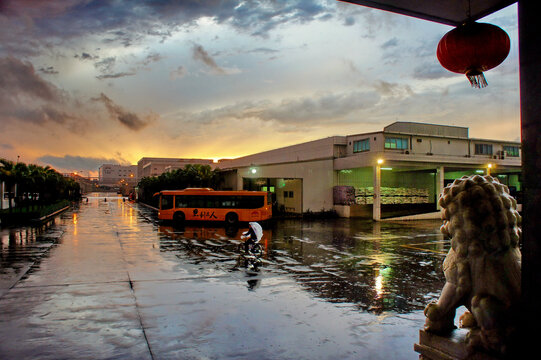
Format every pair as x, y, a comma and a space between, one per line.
482, 268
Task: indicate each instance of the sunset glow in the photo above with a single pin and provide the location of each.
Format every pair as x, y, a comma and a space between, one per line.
91, 82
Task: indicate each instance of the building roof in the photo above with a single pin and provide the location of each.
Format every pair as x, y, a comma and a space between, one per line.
450, 12
427, 129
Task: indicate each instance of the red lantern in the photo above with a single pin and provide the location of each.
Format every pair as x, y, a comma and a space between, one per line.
473, 48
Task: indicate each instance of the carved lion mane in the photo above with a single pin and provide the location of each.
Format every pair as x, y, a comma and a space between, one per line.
482, 268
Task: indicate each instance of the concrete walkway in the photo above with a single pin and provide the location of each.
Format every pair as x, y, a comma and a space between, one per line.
105, 284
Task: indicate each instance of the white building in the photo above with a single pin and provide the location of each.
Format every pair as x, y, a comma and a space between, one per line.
117, 175
343, 173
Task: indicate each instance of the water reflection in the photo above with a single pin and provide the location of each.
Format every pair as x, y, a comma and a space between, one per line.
376, 266
23, 247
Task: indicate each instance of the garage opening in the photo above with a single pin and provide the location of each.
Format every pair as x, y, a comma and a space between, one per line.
286, 192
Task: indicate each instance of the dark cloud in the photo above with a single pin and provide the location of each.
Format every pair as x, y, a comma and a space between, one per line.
151, 58
200, 54
85, 56
26, 97
264, 51
127, 23
5, 146
315, 110
18, 78
128, 119
50, 70
106, 65
76, 163
115, 75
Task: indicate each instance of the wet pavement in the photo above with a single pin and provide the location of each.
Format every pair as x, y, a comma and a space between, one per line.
107, 281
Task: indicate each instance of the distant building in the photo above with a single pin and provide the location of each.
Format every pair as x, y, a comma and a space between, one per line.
86, 184
118, 175
397, 171
156, 166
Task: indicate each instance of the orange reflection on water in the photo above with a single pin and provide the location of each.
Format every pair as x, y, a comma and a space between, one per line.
75, 220
128, 214
214, 233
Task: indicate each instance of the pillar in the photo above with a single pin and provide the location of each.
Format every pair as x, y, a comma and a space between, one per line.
530, 108
376, 209
440, 181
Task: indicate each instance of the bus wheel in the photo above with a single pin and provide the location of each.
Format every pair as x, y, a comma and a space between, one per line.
231, 218
178, 218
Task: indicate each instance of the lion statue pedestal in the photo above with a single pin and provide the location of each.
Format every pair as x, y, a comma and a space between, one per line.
482, 268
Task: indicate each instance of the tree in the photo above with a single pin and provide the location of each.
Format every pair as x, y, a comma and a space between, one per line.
7, 175
31, 180
192, 175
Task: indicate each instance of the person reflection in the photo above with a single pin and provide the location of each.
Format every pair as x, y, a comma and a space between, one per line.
253, 284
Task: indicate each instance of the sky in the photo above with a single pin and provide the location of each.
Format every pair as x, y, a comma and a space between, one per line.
89, 82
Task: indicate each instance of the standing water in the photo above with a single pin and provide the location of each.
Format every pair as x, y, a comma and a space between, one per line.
106, 280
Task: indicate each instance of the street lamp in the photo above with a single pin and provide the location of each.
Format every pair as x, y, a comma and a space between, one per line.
489, 167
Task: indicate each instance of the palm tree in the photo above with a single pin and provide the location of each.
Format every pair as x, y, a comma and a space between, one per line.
23, 182
38, 176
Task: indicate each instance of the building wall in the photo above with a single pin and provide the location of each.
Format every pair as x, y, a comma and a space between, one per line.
317, 182
112, 174
326, 148
431, 155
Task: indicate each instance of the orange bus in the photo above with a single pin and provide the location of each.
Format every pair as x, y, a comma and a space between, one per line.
210, 205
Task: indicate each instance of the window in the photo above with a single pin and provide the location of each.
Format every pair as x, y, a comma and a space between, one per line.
219, 201
167, 202
361, 145
512, 150
288, 194
396, 143
483, 149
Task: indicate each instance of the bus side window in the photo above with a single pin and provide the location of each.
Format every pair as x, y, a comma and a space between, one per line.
180, 201
166, 202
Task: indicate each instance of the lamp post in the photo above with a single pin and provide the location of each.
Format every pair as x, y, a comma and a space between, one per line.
376, 207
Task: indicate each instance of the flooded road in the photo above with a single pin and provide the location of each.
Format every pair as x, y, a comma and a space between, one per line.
107, 280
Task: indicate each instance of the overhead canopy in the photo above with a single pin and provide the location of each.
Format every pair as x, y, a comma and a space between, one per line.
450, 12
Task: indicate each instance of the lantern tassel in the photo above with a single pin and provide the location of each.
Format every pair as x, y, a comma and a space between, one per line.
477, 79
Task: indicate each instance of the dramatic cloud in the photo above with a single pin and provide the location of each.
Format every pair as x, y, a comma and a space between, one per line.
26, 97
49, 70
69, 67
115, 75
78, 163
151, 58
86, 56
125, 23
201, 55
128, 119
18, 79
320, 109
